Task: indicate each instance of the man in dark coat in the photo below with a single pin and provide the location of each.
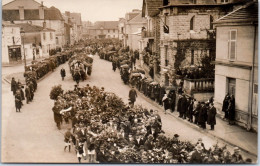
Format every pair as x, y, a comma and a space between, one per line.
13, 86
27, 94
203, 116
62, 73
172, 96
132, 96
212, 116
101, 156
179, 105
18, 102
138, 141
57, 116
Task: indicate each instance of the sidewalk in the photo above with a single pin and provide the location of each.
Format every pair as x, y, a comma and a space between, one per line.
231, 134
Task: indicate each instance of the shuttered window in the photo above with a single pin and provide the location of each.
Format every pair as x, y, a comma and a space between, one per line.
232, 44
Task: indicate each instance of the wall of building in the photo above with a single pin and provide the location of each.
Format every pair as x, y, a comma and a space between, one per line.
245, 46
48, 43
7, 40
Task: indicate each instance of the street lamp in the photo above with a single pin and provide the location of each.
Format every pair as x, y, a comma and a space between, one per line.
22, 32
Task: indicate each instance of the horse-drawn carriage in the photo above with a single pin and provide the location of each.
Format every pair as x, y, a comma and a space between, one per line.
80, 66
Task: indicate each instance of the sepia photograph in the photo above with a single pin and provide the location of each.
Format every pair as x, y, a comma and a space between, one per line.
129, 82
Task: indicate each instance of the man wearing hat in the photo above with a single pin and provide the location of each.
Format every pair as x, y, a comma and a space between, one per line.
132, 96
196, 157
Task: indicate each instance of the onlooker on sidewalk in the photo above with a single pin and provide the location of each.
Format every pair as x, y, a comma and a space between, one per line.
63, 73
225, 105
212, 116
13, 85
231, 110
18, 102
165, 101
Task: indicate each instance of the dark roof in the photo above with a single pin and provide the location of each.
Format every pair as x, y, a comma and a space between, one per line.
152, 7
52, 13
32, 28
32, 14
105, 25
246, 13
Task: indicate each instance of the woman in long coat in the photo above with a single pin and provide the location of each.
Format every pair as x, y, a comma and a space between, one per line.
231, 110
212, 116
225, 105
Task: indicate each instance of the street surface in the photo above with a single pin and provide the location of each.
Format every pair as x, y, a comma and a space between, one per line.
32, 136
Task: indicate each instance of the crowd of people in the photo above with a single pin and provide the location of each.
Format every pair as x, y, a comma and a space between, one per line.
106, 130
33, 72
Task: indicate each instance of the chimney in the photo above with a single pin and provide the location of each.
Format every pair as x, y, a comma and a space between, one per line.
41, 11
67, 13
44, 25
21, 12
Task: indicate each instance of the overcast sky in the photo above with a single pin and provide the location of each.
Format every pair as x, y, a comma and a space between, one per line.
94, 10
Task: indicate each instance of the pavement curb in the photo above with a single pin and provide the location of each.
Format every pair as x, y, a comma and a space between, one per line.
194, 126
37, 80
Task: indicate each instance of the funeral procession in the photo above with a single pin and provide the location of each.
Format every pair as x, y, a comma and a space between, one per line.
129, 82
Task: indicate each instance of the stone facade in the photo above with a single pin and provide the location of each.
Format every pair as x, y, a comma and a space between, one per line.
182, 30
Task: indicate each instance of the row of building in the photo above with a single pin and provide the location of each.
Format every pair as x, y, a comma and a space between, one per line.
31, 30
218, 38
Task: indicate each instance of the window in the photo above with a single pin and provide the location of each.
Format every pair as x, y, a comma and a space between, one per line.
255, 100
192, 23
211, 19
122, 29
51, 35
166, 23
192, 57
108, 31
44, 36
114, 36
224, 1
114, 30
232, 44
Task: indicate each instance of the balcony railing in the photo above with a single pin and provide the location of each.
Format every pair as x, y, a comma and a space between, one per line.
198, 85
147, 34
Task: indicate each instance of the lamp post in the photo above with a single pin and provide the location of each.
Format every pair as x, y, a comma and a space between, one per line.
22, 32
